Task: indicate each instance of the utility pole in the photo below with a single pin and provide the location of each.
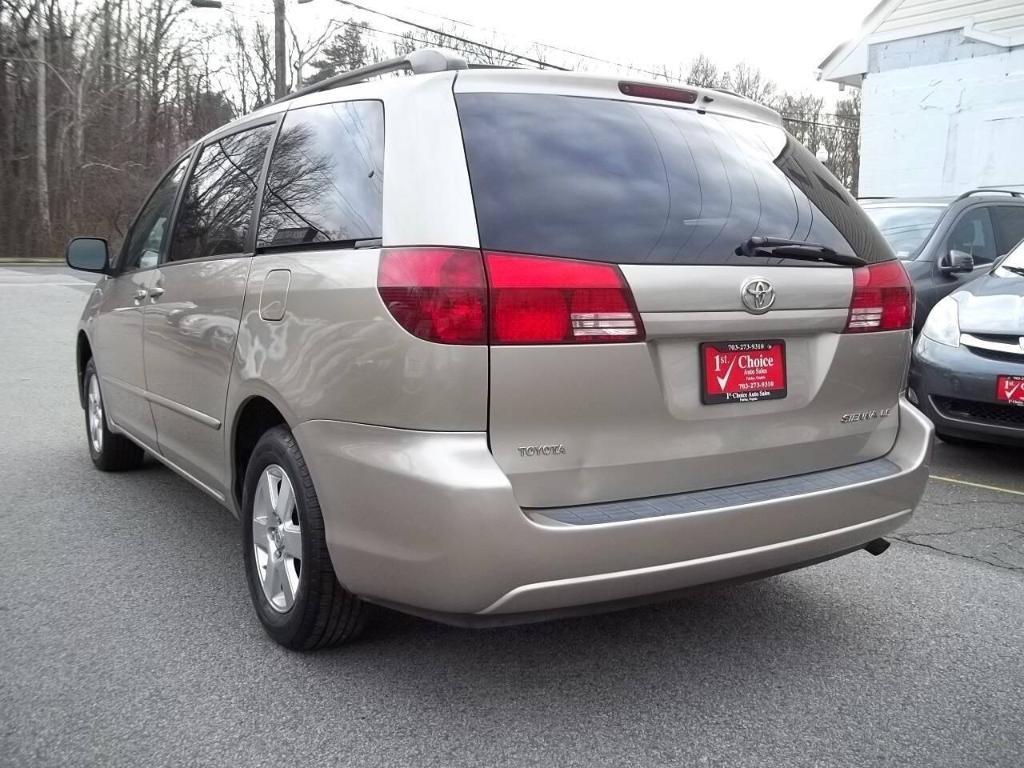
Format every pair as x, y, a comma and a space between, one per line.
42, 180
280, 52
280, 58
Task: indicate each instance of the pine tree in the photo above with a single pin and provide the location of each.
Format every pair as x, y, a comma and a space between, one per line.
345, 52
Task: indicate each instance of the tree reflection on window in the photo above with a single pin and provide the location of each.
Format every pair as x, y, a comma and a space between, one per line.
326, 176
216, 212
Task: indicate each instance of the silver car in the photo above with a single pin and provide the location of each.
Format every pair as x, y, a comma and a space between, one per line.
489, 346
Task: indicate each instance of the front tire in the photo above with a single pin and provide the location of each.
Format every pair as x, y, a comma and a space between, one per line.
291, 580
110, 452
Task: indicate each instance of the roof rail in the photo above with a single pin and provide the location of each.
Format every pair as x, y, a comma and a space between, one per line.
987, 190
875, 197
419, 62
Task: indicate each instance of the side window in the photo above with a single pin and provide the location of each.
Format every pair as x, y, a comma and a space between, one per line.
148, 235
326, 180
216, 211
973, 234
1009, 220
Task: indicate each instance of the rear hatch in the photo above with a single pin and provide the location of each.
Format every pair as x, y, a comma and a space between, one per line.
680, 364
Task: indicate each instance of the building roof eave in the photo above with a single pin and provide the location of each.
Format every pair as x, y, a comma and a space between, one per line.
832, 66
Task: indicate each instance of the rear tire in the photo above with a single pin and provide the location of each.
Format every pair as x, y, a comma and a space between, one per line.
110, 452
291, 579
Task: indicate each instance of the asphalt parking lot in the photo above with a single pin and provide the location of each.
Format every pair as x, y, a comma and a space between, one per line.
126, 635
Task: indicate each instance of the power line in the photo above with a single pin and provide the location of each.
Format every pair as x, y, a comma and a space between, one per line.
549, 46
618, 64
362, 25
522, 57
830, 127
464, 40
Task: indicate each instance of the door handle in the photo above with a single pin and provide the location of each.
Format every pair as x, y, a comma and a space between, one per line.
140, 295
155, 293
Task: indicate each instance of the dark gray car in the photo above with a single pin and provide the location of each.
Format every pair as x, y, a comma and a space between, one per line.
946, 242
968, 369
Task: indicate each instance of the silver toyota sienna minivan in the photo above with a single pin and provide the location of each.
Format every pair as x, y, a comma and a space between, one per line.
489, 346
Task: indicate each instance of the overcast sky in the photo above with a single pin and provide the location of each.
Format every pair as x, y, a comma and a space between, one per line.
786, 39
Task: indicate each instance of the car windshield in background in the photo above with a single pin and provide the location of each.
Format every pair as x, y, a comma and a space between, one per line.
627, 182
905, 226
1013, 264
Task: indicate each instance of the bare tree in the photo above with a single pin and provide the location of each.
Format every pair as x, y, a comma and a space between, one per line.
749, 82
97, 97
703, 72
42, 172
305, 50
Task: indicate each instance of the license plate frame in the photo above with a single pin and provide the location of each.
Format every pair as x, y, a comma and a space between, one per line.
754, 383
1009, 396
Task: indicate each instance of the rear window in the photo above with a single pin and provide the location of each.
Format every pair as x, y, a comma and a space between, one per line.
635, 183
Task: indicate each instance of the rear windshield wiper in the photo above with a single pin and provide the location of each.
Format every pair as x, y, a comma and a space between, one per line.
797, 249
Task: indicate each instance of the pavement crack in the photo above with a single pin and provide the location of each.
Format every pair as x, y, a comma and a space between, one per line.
1015, 527
1003, 565
925, 501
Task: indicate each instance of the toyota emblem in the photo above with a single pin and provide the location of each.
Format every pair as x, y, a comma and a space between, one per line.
758, 295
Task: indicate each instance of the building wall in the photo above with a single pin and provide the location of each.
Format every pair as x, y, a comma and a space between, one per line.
1002, 18
936, 123
921, 50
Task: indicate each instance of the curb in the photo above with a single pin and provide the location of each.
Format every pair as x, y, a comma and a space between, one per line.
31, 262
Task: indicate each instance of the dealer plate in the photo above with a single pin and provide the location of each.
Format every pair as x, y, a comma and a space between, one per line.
1010, 389
742, 371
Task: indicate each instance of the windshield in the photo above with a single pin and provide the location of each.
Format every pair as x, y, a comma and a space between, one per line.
905, 226
1013, 264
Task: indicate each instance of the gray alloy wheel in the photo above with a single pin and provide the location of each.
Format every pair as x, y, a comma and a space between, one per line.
109, 451
277, 538
95, 420
288, 568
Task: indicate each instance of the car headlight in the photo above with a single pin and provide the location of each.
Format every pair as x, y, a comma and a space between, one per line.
943, 324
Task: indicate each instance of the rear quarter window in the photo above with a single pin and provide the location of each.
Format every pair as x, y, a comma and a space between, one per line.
326, 178
624, 182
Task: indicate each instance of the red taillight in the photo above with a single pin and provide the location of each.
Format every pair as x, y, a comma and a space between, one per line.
883, 299
663, 92
539, 300
441, 295
438, 294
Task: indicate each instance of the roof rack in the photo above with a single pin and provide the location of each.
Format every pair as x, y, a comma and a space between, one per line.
418, 62
988, 190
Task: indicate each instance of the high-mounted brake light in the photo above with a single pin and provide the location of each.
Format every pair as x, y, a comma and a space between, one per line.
663, 92
438, 294
883, 299
540, 300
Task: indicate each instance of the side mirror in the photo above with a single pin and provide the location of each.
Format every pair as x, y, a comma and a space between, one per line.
89, 254
956, 263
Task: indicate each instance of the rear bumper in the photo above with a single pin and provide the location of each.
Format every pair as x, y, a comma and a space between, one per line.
943, 376
427, 521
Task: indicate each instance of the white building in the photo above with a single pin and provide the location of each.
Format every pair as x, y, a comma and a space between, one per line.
942, 85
